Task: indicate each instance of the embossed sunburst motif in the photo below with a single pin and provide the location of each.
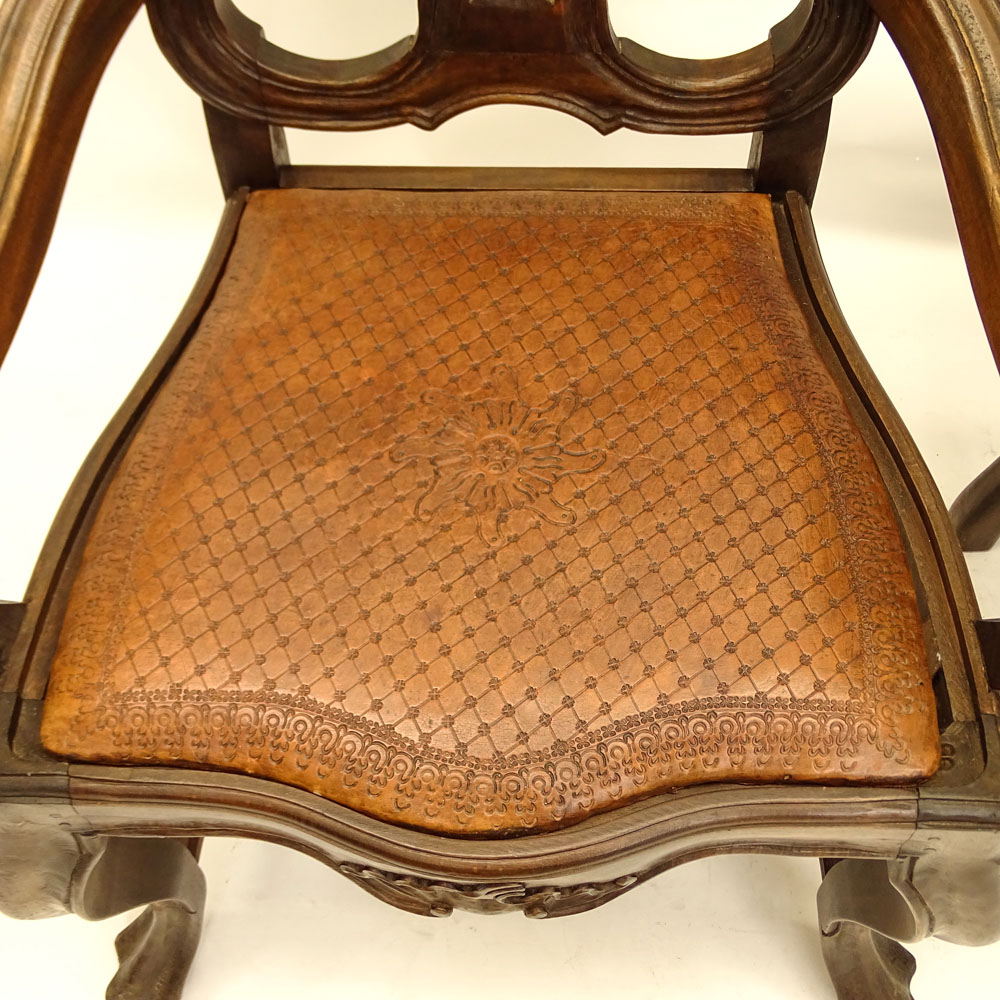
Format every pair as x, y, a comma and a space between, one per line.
494, 454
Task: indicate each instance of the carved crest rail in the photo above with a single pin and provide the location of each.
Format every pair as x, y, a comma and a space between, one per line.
561, 54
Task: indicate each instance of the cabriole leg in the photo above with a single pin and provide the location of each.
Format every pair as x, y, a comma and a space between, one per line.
47, 871
866, 909
156, 950
869, 909
962, 891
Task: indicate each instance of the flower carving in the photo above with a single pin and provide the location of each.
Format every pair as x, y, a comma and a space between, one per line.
492, 455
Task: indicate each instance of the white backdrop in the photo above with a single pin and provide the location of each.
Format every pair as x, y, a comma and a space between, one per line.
139, 213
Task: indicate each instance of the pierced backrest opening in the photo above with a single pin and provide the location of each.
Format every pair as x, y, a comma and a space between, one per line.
561, 54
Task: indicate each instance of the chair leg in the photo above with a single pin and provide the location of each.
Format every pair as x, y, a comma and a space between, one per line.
49, 871
962, 890
156, 950
976, 511
866, 909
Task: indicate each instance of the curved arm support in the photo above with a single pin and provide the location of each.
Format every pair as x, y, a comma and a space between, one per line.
52, 55
952, 49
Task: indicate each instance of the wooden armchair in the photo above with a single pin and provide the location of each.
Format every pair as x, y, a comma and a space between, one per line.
505, 538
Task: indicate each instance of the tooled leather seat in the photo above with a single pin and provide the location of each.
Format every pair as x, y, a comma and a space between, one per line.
485, 511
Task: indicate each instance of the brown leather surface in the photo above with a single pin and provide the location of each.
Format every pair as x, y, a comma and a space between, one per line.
481, 512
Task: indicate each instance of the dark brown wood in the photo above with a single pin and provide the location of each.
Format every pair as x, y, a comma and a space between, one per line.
952, 50
247, 154
989, 640
516, 178
562, 55
52, 54
976, 511
429, 898
32, 649
788, 157
11, 616
644, 838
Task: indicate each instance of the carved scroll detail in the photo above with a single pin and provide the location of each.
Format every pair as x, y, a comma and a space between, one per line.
440, 899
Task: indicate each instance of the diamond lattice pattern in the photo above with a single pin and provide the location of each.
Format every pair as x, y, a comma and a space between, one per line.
487, 481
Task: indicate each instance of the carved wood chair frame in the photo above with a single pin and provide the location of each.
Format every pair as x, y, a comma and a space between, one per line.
900, 863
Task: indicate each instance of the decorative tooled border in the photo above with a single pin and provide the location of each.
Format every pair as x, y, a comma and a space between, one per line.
876, 560
350, 757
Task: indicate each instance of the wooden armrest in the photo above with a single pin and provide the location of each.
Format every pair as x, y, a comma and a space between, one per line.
952, 49
52, 54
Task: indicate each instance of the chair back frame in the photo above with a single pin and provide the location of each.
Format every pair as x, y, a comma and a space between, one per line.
561, 54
